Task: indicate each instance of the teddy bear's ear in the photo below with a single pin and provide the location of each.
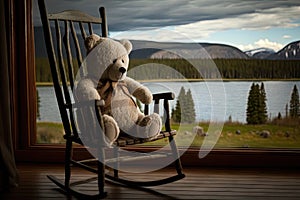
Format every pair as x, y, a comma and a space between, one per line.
91, 41
127, 44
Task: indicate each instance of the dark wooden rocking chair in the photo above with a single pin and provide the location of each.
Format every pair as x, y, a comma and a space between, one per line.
63, 33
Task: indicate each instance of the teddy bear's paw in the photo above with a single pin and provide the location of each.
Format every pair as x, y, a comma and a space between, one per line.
152, 128
111, 129
145, 121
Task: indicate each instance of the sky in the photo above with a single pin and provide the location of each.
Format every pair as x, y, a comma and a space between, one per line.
245, 24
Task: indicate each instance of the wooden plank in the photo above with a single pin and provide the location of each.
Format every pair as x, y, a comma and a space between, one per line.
200, 183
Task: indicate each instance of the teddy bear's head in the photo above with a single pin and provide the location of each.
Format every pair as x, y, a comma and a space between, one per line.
107, 59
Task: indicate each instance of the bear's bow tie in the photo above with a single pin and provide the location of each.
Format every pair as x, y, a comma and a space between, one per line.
106, 88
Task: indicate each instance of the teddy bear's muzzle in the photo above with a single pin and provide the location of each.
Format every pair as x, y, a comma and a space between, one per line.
122, 70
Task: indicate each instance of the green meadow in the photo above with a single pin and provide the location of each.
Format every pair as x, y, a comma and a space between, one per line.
282, 134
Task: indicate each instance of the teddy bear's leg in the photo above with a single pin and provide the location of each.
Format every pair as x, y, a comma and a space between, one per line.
149, 126
111, 129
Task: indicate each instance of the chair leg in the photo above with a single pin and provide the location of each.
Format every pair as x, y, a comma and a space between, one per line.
175, 153
101, 177
116, 167
68, 158
101, 172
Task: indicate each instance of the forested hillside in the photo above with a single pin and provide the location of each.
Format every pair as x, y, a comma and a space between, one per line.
147, 69
217, 68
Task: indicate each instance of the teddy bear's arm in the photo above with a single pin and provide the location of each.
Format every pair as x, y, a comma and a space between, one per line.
86, 90
139, 91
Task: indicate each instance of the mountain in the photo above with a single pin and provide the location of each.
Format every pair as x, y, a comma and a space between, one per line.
158, 50
224, 51
260, 53
289, 52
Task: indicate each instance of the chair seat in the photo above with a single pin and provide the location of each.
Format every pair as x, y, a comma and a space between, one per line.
125, 139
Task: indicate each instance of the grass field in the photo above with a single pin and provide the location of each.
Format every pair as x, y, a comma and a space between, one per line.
281, 136
248, 136
49, 132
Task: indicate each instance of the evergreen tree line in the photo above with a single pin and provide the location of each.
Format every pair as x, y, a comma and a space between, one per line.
217, 68
198, 69
43, 71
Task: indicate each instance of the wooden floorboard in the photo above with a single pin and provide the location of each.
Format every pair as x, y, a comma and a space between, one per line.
200, 183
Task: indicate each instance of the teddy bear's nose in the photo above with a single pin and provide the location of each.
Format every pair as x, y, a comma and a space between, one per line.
122, 70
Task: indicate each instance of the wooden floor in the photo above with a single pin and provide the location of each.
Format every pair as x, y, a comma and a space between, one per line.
200, 183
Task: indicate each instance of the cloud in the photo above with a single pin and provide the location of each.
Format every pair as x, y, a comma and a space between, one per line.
266, 19
262, 43
125, 15
187, 20
260, 20
131, 14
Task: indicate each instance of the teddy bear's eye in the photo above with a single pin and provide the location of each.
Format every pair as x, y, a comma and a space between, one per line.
114, 61
123, 61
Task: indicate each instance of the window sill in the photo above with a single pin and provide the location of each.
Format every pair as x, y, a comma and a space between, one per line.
231, 157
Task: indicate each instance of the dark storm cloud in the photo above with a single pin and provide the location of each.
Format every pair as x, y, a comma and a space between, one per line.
130, 14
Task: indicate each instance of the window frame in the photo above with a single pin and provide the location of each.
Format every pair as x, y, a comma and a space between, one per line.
23, 98
23, 89
21, 74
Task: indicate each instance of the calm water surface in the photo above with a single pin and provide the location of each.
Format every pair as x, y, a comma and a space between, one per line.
209, 98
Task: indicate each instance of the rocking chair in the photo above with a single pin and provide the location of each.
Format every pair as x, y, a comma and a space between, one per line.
64, 34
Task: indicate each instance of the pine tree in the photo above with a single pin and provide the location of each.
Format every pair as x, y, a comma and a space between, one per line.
256, 105
190, 113
251, 106
184, 106
176, 113
294, 103
279, 116
263, 113
185, 109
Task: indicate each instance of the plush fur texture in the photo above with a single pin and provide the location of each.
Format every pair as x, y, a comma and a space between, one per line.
107, 64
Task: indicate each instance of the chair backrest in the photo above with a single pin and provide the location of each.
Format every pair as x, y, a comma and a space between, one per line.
64, 35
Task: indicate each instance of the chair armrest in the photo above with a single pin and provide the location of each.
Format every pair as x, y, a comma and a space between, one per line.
165, 95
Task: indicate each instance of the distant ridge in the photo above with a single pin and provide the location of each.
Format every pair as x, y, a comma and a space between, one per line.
289, 52
158, 50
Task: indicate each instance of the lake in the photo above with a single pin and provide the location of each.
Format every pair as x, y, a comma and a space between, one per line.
213, 100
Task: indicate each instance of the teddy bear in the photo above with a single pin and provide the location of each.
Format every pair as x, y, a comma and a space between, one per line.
106, 65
